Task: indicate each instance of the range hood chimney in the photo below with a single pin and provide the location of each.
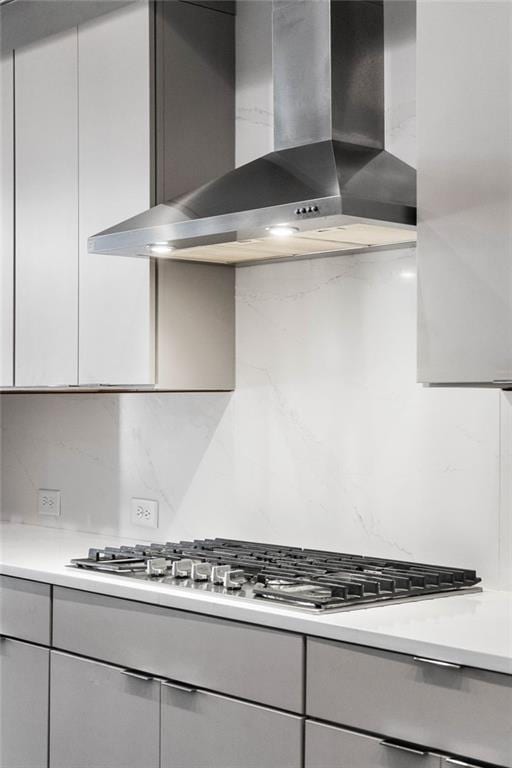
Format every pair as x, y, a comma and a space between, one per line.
329, 185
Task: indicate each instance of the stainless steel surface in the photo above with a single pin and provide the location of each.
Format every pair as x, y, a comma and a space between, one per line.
178, 687
402, 748
136, 675
437, 663
329, 168
313, 580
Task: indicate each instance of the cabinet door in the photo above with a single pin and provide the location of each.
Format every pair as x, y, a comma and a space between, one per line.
114, 157
6, 219
23, 705
464, 111
100, 716
204, 730
46, 212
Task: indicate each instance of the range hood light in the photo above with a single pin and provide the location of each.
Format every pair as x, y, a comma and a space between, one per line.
160, 249
282, 230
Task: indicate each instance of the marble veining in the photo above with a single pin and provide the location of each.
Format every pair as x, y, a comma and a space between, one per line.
327, 441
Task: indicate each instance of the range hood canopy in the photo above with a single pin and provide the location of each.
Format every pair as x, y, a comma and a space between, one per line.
328, 185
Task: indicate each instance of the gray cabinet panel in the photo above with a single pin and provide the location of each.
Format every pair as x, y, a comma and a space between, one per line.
25, 609
462, 711
464, 118
251, 662
195, 96
100, 717
115, 327
23, 705
203, 730
196, 326
46, 199
6, 217
330, 747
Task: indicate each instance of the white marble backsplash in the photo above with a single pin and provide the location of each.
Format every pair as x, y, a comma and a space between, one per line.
326, 442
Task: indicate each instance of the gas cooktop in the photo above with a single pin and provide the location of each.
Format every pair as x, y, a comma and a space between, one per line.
315, 580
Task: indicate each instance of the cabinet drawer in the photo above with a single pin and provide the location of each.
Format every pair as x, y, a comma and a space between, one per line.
330, 747
250, 662
25, 609
205, 730
464, 711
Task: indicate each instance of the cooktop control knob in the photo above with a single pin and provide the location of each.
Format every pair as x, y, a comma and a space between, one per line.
181, 569
201, 571
218, 573
156, 566
233, 579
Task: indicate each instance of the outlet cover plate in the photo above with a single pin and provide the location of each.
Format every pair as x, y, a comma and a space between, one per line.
144, 512
48, 502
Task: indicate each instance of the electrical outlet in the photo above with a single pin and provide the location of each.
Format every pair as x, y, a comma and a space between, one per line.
48, 502
145, 513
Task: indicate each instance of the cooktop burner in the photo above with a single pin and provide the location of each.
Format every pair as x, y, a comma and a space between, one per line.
315, 580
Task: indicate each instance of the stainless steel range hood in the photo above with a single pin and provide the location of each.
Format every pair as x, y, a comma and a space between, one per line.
328, 186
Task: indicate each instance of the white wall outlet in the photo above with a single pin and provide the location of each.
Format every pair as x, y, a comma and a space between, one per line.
48, 502
145, 513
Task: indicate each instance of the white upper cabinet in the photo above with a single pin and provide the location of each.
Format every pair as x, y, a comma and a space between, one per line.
46, 200
115, 327
6, 220
84, 114
464, 192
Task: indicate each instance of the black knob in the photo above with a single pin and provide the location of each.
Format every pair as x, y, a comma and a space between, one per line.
315, 209
303, 210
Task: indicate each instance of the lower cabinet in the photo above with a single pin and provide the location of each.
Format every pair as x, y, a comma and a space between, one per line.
204, 730
24, 672
108, 717
330, 747
102, 717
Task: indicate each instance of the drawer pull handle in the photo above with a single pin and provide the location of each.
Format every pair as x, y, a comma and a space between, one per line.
452, 761
411, 750
136, 675
436, 663
179, 687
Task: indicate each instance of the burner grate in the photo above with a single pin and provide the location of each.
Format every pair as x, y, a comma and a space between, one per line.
303, 578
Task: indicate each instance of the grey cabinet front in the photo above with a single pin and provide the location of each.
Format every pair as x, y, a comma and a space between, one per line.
249, 662
204, 730
330, 747
464, 191
101, 717
461, 711
25, 609
23, 705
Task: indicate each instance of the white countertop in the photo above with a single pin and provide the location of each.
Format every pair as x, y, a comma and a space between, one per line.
473, 629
